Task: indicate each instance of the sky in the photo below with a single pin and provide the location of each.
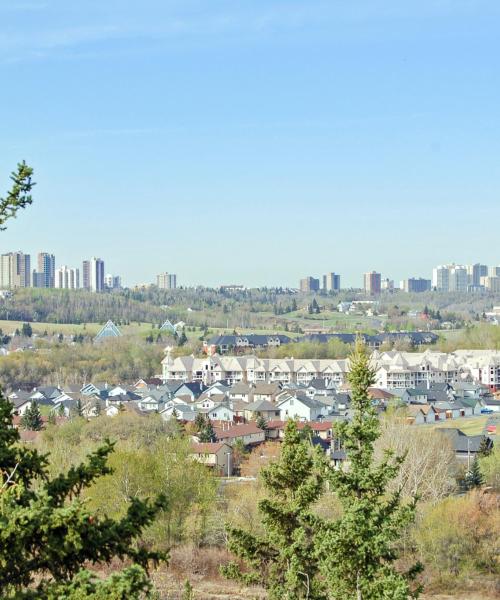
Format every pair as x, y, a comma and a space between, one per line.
254, 142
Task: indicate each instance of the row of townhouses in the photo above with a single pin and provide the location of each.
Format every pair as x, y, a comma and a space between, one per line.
394, 370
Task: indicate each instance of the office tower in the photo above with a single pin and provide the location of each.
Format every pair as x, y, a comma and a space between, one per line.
20, 270
166, 281
414, 284
86, 275
112, 282
96, 274
309, 284
46, 268
493, 272
372, 283
331, 282
67, 278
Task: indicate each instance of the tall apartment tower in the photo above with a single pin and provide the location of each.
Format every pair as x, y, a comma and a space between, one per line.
331, 282
20, 270
66, 278
96, 275
166, 281
309, 284
45, 276
86, 275
372, 283
5, 271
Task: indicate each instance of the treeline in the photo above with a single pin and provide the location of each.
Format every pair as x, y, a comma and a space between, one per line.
114, 361
76, 306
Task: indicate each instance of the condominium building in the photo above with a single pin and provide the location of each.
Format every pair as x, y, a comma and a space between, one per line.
372, 283
309, 284
474, 274
96, 275
166, 281
493, 272
67, 278
414, 284
15, 270
393, 369
387, 284
331, 282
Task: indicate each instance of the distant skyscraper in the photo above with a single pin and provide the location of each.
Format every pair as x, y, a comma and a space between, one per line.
331, 282
452, 278
309, 284
166, 281
15, 270
5, 271
413, 285
372, 283
86, 275
112, 282
96, 274
47, 269
67, 278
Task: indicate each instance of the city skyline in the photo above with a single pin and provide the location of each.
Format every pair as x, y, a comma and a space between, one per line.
368, 133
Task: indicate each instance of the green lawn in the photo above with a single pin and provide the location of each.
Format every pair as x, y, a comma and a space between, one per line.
470, 425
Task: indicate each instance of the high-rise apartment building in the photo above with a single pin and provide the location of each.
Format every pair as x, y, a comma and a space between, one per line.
309, 284
493, 272
331, 282
5, 271
453, 278
112, 282
96, 275
67, 278
86, 275
372, 283
45, 276
15, 270
166, 281
418, 285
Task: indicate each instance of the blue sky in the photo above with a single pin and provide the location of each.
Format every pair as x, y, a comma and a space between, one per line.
254, 141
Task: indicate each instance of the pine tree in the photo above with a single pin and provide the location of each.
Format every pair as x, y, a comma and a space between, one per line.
48, 535
473, 477
46, 531
357, 551
200, 421
207, 433
32, 418
283, 559
19, 195
485, 447
261, 422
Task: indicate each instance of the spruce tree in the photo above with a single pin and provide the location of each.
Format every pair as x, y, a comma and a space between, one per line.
48, 535
207, 433
358, 551
32, 418
473, 477
283, 559
261, 422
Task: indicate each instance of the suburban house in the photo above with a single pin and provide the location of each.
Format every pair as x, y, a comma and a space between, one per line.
216, 455
248, 433
261, 408
223, 344
466, 446
301, 407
